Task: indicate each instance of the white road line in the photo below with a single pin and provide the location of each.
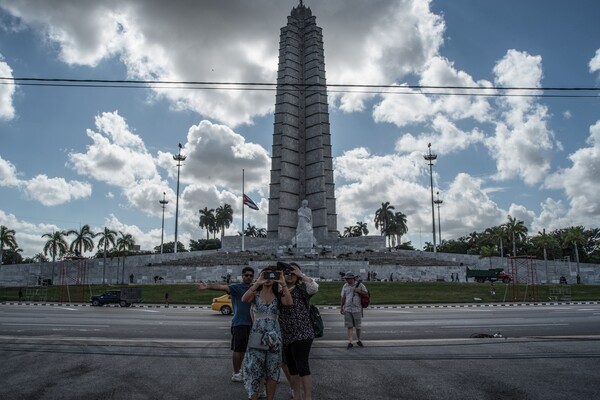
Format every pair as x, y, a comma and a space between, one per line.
497, 325
60, 325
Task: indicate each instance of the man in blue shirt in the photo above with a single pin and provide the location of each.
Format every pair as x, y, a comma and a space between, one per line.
241, 322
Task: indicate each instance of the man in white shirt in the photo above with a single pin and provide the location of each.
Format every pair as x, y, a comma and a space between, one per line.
351, 307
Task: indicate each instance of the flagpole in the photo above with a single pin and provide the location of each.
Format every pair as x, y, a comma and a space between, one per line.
243, 193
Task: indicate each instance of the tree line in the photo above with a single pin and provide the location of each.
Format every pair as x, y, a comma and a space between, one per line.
511, 238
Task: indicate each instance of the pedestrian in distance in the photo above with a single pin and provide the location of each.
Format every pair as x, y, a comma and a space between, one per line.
297, 331
263, 357
351, 307
166, 299
241, 322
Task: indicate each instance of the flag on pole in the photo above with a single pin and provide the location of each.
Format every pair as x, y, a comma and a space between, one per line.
248, 202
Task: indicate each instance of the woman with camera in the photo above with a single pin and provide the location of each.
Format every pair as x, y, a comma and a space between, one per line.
263, 356
297, 331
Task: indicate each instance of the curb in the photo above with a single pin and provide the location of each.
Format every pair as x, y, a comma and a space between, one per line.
383, 307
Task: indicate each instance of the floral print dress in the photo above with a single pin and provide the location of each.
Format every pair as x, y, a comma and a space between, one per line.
263, 364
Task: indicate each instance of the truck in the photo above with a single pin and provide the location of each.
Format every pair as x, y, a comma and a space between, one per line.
492, 275
125, 297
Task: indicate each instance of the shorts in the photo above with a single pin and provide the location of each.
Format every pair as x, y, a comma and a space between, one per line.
353, 320
239, 338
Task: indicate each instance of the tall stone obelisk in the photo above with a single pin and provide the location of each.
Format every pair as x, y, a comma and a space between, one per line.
302, 165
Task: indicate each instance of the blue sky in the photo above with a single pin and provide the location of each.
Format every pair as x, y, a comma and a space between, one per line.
103, 156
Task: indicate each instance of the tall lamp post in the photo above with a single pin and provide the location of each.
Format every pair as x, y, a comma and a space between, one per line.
430, 158
437, 201
178, 158
163, 204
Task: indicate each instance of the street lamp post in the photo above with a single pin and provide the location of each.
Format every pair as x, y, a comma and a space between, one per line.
179, 158
430, 158
438, 202
163, 204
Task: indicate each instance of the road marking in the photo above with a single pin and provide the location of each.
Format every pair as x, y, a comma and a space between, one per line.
155, 311
497, 325
60, 325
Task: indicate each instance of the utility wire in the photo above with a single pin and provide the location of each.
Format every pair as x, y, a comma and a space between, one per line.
496, 91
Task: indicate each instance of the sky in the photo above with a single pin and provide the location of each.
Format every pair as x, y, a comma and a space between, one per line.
103, 156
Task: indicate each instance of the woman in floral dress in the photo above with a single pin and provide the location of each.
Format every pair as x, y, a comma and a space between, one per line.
263, 356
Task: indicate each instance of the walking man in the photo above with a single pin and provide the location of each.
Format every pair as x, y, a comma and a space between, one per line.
351, 307
241, 322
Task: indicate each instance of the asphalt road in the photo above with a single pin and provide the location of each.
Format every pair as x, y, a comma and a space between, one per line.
69, 352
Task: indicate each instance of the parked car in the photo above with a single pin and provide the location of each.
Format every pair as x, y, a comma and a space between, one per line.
124, 297
222, 304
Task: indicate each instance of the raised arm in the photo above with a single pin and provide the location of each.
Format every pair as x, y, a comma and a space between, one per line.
248, 297
211, 286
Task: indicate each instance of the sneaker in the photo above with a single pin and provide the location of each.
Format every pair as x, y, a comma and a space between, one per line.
237, 377
359, 343
350, 345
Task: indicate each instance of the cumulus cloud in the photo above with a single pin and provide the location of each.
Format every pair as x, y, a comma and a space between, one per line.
447, 136
8, 173
28, 235
522, 144
119, 157
595, 62
7, 92
581, 180
410, 106
41, 188
216, 154
192, 41
55, 191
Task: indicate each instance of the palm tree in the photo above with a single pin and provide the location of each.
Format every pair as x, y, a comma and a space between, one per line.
575, 236
251, 230
383, 217
84, 240
361, 229
107, 236
7, 237
207, 220
517, 231
125, 243
544, 241
224, 218
261, 233
487, 252
400, 225
348, 231
55, 246
498, 233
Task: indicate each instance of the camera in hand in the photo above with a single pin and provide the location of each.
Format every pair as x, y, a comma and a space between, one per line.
272, 275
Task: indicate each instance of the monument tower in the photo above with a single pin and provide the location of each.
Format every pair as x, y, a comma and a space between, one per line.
302, 165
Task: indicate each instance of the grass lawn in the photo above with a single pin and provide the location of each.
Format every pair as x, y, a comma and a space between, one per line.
329, 293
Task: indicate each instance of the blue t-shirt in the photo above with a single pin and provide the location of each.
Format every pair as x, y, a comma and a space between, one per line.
241, 311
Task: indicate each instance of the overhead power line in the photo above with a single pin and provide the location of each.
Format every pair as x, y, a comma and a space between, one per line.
486, 91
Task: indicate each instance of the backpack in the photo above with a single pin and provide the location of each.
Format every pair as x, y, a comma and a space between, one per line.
365, 300
316, 321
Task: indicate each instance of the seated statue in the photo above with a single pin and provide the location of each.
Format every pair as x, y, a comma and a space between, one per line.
304, 230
